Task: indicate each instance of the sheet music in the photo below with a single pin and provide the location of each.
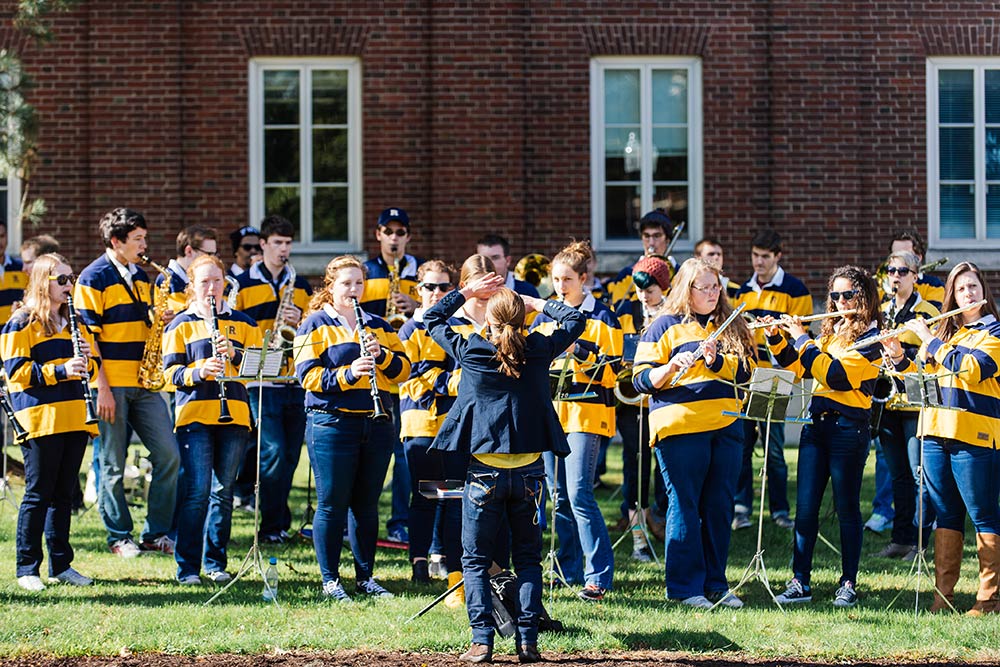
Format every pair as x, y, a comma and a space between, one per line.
761, 384
254, 357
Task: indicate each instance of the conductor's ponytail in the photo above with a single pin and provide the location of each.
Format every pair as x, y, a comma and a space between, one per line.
506, 309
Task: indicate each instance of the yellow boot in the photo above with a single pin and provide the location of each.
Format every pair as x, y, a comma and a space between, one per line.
947, 563
988, 597
456, 598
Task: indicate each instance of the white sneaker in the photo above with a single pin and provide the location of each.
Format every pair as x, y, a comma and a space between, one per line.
31, 582
126, 548
90, 488
877, 523
373, 588
73, 578
219, 576
726, 599
697, 601
334, 590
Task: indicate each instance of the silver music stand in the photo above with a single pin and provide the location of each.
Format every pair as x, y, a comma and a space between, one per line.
770, 390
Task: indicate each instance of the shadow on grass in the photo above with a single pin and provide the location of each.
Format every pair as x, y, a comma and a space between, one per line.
679, 640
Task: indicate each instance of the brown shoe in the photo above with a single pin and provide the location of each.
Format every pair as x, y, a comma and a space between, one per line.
528, 653
477, 653
988, 597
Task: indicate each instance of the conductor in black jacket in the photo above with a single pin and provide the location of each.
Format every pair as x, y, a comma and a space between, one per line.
503, 417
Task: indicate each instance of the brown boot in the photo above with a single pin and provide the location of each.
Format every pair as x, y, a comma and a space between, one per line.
947, 564
988, 597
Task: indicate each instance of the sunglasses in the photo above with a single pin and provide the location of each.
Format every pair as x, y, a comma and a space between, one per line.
440, 287
205, 252
250, 247
901, 270
64, 278
846, 295
397, 232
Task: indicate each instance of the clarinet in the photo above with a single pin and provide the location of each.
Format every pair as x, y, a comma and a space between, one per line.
224, 415
20, 433
379, 414
74, 331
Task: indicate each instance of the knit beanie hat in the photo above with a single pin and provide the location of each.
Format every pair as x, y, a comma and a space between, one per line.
652, 267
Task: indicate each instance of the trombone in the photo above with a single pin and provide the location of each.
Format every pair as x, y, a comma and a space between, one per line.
755, 323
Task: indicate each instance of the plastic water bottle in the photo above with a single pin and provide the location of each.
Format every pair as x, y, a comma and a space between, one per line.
271, 581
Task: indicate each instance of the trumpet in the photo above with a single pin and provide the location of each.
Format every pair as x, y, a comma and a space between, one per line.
754, 323
930, 320
378, 414
225, 416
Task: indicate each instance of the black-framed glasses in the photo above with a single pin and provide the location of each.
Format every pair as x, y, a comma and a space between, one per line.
64, 278
901, 270
846, 295
399, 231
440, 287
250, 247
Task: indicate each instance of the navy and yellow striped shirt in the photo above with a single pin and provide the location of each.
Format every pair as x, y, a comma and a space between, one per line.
592, 368
12, 284
783, 295
258, 297
45, 400
696, 403
186, 346
117, 315
377, 278
325, 348
430, 391
914, 307
177, 299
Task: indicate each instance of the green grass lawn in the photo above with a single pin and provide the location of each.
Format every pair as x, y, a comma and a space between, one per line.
136, 606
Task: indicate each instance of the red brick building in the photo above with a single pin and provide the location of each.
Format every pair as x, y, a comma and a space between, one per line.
832, 121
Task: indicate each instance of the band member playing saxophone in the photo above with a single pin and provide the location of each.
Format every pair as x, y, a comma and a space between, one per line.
656, 231
203, 343
349, 451
44, 370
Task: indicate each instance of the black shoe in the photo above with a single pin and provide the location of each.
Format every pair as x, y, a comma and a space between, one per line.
421, 574
528, 653
478, 653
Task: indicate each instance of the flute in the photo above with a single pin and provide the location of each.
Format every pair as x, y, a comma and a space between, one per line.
757, 324
930, 320
700, 352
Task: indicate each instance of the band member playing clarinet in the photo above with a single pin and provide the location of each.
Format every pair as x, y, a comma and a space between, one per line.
689, 374
45, 374
339, 357
961, 456
834, 446
203, 343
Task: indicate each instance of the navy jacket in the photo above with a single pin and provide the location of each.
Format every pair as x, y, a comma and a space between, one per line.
495, 413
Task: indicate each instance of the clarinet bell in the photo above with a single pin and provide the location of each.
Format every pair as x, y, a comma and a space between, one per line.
224, 415
20, 433
379, 415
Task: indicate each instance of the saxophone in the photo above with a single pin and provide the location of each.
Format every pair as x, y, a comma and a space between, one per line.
151, 375
285, 339
393, 316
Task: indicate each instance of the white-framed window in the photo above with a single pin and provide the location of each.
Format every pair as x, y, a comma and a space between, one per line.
305, 148
646, 146
10, 200
963, 152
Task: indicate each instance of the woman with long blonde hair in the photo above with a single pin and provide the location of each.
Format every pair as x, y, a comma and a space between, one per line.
44, 378
690, 379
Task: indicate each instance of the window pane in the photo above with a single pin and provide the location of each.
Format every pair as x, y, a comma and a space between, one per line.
670, 154
955, 96
992, 153
958, 216
329, 214
674, 200
957, 153
621, 97
281, 97
622, 154
670, 96
284, 202
329, 156
993, 212
621, 211
329, 97
3, 206
281, 156
992, 96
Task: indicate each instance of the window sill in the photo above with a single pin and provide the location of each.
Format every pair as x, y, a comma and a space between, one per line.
987, 259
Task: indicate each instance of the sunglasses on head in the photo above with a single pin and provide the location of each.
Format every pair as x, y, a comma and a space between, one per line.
64, 278
846, 295
901, 270
399, 231
440, 287
250, 247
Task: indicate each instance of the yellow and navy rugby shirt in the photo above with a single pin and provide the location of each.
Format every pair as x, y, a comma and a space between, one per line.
914, 307
619, 289
377, 282
845, 379
783, 295
426, 397
177, 299
258, 297
45, 400
593, 366
695, 404
967, 368
187, 344
326, 346
930, 288
13, 280
117, 315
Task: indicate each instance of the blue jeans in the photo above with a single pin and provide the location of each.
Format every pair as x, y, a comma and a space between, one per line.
700, 471
282, 424
898, 437
882, 501
146, 413
584, 545
401, 487
777, 470
349, 455
491, 495
425, 465
636, 459
832, 448
211, 457
51, 475
962, 478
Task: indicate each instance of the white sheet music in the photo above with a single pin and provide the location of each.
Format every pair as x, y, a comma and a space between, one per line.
259, 362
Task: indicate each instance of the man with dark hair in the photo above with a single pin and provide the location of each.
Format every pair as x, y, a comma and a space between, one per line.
282, 419
13, 278
246, 249
114, 300
655, 230
497, 249
930, 288
192, 241
769, 291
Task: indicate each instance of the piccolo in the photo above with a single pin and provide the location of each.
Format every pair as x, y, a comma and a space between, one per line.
700, 352
930, 320
757, 324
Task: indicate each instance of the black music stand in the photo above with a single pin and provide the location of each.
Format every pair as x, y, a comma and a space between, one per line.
770, 390
440, 489
259, 365
642, 476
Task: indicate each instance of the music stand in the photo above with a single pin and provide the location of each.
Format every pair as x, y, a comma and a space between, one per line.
259, 365
642, 476
770, 390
